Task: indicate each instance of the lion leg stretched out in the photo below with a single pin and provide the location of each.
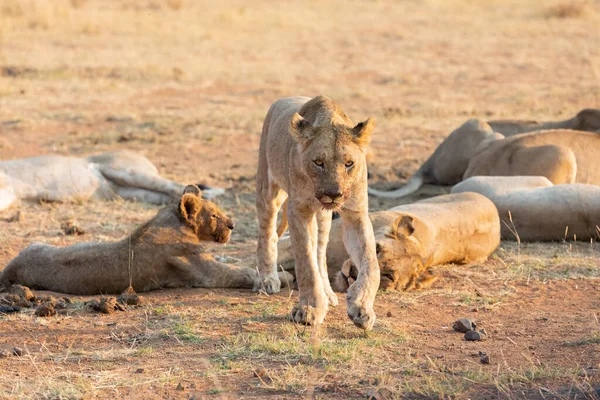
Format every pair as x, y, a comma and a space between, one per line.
311, 153
163, 252
106, 176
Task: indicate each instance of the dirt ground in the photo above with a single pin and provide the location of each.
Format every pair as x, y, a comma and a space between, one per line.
187, 83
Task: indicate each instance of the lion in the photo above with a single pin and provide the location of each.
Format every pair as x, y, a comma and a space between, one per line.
532, 209
448, 163
165, 252
451, 228
106, 176
562, 156
312, 154
586, 120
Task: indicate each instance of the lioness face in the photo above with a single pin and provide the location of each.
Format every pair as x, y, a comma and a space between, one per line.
207, 220
333, 157
398, 267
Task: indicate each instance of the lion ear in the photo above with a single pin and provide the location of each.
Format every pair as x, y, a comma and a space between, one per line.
300, 129
192, 189
189, 207
363, 131
403, 226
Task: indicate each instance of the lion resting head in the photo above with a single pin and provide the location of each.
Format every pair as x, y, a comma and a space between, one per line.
204, 217
333, 155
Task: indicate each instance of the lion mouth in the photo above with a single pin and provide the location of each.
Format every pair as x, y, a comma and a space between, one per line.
224, 238
333, 206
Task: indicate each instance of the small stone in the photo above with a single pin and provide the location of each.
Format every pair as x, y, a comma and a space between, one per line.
475, 309
484, 358
389, 314
60, 305
4, 353
179, 387
259, 372
139, 371
475, 336
17, 351
464, 325
9, 309
93, 304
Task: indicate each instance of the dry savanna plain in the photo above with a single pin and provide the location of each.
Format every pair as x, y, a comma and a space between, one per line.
187, 84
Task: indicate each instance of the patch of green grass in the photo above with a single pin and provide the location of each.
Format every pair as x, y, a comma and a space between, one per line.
163, 310
185, 331
595, 339
143, 351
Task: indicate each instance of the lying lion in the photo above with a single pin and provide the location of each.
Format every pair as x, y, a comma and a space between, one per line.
163, 252
585, 120
532, 209
475, 149
104, 176
452, 228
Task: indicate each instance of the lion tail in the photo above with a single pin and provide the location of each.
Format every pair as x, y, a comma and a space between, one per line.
414, 183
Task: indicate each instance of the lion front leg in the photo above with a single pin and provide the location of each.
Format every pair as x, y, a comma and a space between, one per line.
359, 241
324, 226
313, 303
269, 198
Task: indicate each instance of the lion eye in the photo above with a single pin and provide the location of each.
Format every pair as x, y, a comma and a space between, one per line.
349, 164
319, 163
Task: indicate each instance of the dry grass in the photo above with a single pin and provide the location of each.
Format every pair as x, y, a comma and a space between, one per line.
571, 9
188, 83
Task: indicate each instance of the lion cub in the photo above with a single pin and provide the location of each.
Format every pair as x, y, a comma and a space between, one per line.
312, 154
164, 252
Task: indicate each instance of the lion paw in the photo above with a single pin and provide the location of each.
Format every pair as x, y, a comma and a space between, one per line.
331, 296
268, 283
362, 317
286, 279
307, 315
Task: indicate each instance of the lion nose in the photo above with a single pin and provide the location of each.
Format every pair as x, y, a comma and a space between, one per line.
333, 194
231, 225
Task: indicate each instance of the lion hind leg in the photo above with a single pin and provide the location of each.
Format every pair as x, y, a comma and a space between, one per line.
557, 163
131, 178
141, 195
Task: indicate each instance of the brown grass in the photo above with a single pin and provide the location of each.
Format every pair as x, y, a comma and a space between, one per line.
570, 9
187, 83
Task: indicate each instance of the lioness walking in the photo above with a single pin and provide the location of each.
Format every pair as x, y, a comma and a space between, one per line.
312, 154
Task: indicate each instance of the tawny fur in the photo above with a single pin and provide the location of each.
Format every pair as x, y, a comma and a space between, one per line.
562, 156
106, 176
457, 228
163, 252
538, 210
448, 163
585, 120
312, 153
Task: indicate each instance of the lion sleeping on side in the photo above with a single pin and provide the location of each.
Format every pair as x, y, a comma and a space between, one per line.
452, 228
165, 252
532, 209
451, 159
106, 176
